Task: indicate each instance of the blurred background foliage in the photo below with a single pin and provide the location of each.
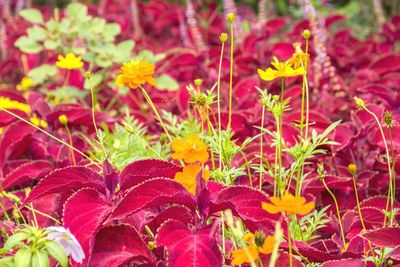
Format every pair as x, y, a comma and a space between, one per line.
360, 13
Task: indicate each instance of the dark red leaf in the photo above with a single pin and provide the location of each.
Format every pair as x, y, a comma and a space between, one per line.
384, 237
118, 245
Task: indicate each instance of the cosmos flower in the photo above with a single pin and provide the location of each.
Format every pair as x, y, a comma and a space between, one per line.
282, 70
257, 244
288, 204
190, 150
7, 103
68, 241
135, 73
69, 62
25, 84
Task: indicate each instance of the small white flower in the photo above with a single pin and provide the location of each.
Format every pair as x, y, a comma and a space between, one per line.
68, 241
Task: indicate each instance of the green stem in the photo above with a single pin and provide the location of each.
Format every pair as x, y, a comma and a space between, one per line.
71, 144
230, 78
158, 117
337, 211
261, 144
388, 162
219, 107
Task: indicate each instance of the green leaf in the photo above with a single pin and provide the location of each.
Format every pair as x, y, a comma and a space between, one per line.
14, 240
37, 33
150, 57
66, 94
42, 73
95, 80
28, 45
40, 259
23, 257
110, 31
76, 10
123, 51
166, 82
57, 252
32, 15
51, 44
7, 262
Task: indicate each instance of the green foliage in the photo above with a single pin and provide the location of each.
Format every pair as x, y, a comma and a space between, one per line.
96, 36
180, 128
166, 82
65, 94
305, 229
127, 142
33, 249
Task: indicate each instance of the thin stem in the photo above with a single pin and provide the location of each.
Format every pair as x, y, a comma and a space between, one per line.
261, 144
158, 117
388, 161
230, 78
280, 141
51, 136
359, 211
223, 233
71, 144
337, 211
43, 214
219, 106
248, 168
290, 244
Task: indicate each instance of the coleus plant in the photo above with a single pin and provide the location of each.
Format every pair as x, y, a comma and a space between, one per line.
141, 206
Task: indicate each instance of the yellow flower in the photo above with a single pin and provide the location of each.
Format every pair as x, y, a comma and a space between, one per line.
299, 58
69, 62
136, 73
188, 176
38, 122
190, 150
7, 103
1, 130
282, 69
288, 204
257, 243
25, 84
63, 119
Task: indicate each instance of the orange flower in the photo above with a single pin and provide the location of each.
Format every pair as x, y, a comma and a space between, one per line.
190, 150
136, 73
289, 204
257, 243
187, 177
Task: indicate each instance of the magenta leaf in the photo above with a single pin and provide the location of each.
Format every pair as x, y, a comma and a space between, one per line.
395, 253
153, 193
14, 140
84, 213
186, 248
141, 170
27, 172
384, 237
119, 245
245, 201
344, 263
66, 181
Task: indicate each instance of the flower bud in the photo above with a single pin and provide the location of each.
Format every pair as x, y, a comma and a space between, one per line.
198, 82
63, 119
150, 245
306, 34
388, 118
230, 17
352, 168
223, 37
359, 102
87, 75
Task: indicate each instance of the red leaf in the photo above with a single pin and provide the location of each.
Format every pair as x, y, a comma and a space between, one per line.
26, 172
141, 170
14, 140
245, 201
344, 263
188, 249
84, 212
395, 254
66, 181
384, 237
118, 245
153, 193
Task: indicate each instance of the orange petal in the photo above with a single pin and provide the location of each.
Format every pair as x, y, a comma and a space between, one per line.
268, 245
243, 255
271, 208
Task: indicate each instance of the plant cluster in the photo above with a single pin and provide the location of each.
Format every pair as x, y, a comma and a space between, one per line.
169, 134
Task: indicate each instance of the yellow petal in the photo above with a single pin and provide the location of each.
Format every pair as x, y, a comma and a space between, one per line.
271, 208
